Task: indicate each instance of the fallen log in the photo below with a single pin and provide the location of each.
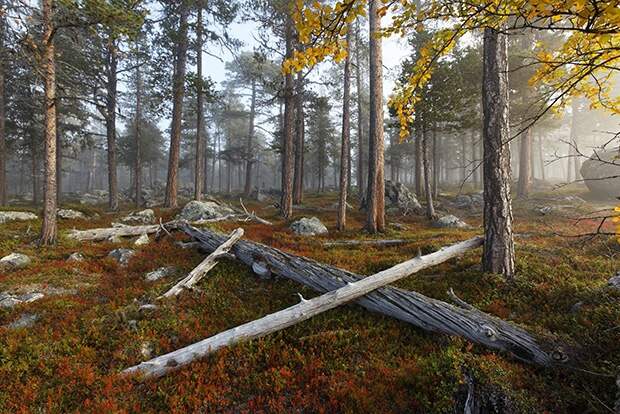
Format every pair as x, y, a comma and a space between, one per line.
304, 310
427, 313
203, 268
378, 243
106, 233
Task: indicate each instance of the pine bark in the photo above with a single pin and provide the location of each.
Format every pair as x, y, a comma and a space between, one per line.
361, 176
3, 183
298, 179
49, 227
286, 202
110, 121
418, 163
178, 92
345, 154
428, 191
59, 184
525, 164
498, 254
248, 148
138, 161
375, 220
200, 166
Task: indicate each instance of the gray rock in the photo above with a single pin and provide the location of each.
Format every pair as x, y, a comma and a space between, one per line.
76, 257
26, 320
468, 201
399, 226
68, 214
14, 261
142, 240
308, 227
160, 273
597, 173
204, 210
614, 282
450, 221
122, 256
398, 196
139, 217
6, 216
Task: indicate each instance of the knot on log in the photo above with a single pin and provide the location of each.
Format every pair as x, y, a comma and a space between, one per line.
558, 355
489, 332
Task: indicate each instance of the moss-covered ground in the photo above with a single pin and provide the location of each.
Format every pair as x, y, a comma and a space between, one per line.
345, 360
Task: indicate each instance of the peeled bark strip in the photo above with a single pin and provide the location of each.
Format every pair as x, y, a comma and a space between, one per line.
411, 307
304, 310
203, 268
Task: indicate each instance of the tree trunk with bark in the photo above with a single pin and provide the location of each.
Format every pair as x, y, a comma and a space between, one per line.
3, 183
178, 92
345, 155
498, 244
49, 227
436, 157
361, 176
286, 202
110, 121
248, 146
200, 166
428, 191
138, 161
375, 219
418, 162
300, 135
58, 155
525, 164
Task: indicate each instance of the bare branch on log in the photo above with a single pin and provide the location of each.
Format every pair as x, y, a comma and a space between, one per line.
411, 307
379, 243
304, 310
203, 268
253, 215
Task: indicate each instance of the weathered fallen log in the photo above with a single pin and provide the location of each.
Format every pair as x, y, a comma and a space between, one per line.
203, 268
379, 243
106, 233
304, 310
412, 307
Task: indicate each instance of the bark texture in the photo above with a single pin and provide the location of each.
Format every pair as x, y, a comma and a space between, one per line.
248, 146
300, 135
286, 202
110, 122
178, 92
375, 220
49, 227
200, 166
498, 244
3, 183
138, 161
345, 151
428, 191
361, 155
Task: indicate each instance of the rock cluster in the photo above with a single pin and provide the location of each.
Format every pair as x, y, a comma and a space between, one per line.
308, 227
204, 210
398, 196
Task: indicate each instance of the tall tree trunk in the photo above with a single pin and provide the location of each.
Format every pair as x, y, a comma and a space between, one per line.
541, 155
298, 179
111, 124
138, 165
375, 220
34, 166
498, 254
49, 228
436, 153
200, 166
525, 164
286, 203
345, 154
361, 176
574, 138
3, 183
430, 208
58, 139
475, 159
248, 147
418, 162
178, 92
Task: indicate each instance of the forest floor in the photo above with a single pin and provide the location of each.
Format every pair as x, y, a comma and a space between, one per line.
89, 326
